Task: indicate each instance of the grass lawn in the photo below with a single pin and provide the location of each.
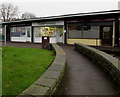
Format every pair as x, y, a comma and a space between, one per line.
22, 66
0, 71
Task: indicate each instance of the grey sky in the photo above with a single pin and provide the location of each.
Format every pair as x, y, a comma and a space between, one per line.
43, 8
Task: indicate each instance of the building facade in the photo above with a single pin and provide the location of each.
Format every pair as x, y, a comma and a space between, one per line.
95, 29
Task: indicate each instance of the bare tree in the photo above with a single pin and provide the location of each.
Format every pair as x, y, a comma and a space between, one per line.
28, 15
8, 11
119, 5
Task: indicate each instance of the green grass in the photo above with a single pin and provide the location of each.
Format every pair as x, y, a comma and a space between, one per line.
0, 71
22, 66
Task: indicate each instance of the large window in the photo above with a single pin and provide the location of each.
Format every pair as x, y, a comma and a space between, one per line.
79, 31
74, 31
17, 31
48, 31
21, 34
91, 32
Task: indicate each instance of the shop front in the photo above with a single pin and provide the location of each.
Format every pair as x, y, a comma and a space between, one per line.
94, 33
53, 29
20, 32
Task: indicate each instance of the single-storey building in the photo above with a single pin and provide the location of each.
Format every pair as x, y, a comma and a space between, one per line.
94, 28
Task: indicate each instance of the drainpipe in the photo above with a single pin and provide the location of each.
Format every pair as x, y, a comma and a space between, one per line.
113, 35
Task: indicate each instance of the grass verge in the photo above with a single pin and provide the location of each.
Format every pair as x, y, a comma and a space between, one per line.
21, 67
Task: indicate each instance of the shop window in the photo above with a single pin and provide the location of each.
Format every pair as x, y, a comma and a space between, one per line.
15, 32
22, 31
37, 32
91, 32
19, 31
59, 31
48, 31
74, 31
79, 31
28, 32
86, 28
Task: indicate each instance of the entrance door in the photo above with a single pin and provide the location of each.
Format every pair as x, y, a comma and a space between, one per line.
106, 35
59, 34
28, 34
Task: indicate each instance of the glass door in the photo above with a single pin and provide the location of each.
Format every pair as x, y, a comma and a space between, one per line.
28, 34
59, 34
106, 35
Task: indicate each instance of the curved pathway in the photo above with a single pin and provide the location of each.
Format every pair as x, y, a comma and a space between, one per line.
83, 77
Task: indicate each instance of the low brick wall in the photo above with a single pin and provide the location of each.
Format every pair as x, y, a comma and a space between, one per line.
108, 63
47, 84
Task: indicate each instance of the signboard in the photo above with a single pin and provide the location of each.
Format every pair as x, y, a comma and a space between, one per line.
49, 23
91, 20
22, 24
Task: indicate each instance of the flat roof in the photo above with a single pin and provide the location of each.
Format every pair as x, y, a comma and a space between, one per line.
67, 16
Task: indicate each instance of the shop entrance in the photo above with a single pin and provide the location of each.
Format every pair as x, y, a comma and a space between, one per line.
106, 35
28, 34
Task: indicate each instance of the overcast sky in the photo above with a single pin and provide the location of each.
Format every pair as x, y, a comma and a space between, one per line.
42, 8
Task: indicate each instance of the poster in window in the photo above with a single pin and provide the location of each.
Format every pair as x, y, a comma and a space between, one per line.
37, 32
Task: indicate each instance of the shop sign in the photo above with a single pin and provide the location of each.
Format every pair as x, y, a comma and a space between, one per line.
91, 20
22, 24
49, 23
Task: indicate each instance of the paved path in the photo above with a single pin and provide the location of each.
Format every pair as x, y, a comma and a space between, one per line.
83, 77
